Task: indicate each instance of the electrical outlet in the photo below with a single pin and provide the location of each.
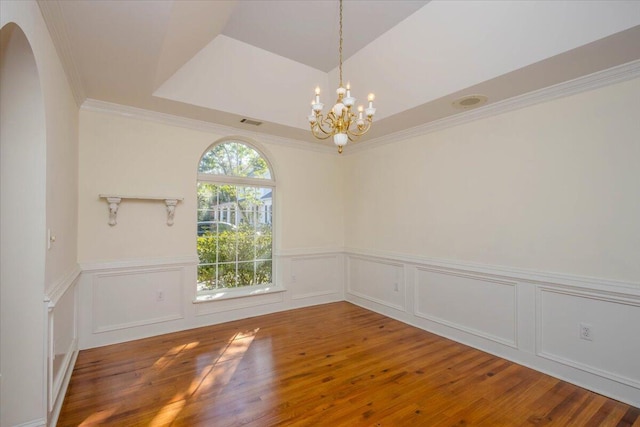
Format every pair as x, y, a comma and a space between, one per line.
159, 296
586, 332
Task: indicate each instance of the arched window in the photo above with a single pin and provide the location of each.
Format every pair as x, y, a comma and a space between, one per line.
235, 218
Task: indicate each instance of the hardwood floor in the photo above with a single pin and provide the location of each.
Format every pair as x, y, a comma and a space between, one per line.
329, 365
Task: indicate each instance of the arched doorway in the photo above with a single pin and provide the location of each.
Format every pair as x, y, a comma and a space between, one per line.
22, 232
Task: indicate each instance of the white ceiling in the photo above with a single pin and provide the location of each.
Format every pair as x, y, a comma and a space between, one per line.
221, 61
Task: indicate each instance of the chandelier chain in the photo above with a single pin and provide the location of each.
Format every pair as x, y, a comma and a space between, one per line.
340, 48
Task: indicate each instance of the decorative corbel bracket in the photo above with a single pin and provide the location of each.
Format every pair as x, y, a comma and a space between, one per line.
171, 210
114, 204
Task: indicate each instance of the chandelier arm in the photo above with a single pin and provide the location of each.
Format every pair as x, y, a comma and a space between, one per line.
365, 129
319, 135
323, 122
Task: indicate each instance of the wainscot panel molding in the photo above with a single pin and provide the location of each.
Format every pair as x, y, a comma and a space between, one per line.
613, 323
152, 296
124, 300
530, 317
377, 280
61, 339
475, 304
316, 275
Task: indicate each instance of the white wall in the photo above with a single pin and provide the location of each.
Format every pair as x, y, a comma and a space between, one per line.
551, 187
126, 264
508, 233
54, 165
120, 155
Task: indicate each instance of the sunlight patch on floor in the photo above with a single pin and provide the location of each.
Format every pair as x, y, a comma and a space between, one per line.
98, 417
222, 369
167, 414
164, 361
219, 372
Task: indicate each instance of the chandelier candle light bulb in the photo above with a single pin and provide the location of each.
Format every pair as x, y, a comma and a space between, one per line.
339, 120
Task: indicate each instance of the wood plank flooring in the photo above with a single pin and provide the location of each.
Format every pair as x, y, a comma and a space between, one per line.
328, 365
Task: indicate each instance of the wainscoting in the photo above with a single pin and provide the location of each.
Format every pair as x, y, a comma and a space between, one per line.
127, 300
61, 340
531, 318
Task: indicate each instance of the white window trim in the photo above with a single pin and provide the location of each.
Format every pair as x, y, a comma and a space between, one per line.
238, 180
233, 293
245, 291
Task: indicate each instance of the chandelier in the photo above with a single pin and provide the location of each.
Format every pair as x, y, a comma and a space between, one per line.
341, 122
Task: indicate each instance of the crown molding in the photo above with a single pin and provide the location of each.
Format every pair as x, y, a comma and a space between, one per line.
52, 15
596, 80
199, 125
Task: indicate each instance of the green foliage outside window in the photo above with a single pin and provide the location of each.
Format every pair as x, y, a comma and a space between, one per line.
234, 258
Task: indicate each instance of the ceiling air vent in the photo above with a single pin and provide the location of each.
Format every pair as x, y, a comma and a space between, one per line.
470, 101
250, 122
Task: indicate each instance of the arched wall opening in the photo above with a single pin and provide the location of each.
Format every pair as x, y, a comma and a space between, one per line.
22, 232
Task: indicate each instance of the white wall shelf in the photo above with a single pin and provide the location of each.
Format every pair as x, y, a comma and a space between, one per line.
114, 203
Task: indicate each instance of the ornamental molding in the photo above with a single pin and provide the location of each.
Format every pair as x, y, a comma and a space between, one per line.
618, 74
95, 105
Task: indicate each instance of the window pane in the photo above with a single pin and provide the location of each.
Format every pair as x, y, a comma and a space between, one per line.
263, 272
227, 276
206, 277
208, 248
246, 274
246, 243
264, 242
234, 159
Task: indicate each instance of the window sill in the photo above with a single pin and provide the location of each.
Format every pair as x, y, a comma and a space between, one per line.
225, 294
